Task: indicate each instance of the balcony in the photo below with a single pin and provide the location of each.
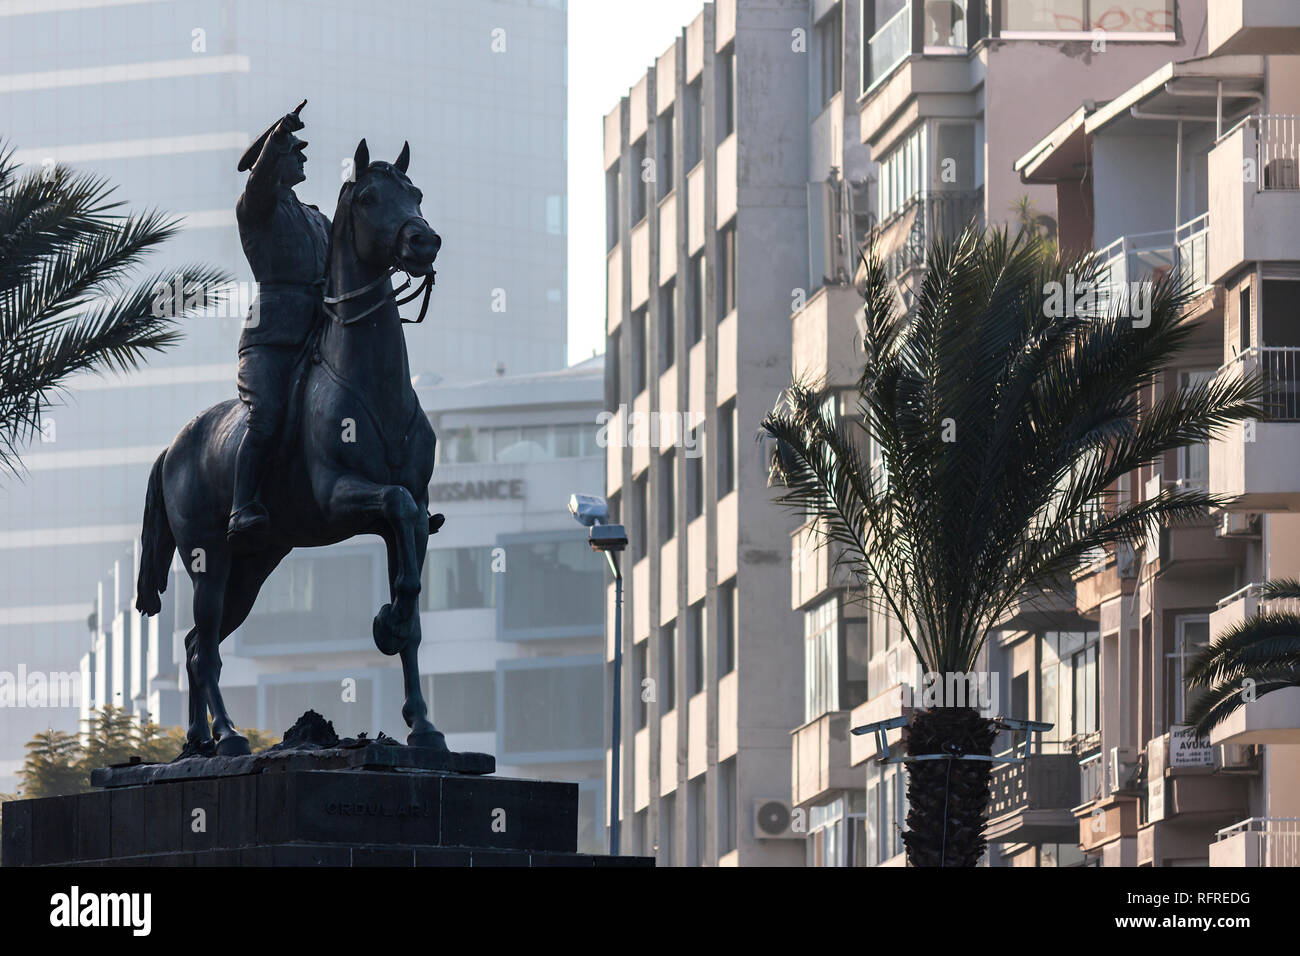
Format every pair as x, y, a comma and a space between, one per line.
903, 239
1031, 802
929, 27
1256, 464
1144, 257
1272, 718
1253, 26
1259, 841
1184, 786
1254, 214
824, 332
819, 760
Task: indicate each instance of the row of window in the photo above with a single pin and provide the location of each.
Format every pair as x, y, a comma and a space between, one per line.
656, 175
530, 443
661, 689
693, 452
522, 578
663, 844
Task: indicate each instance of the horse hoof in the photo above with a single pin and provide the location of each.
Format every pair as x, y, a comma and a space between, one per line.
206, 747
389, 639
233, 746
428, 739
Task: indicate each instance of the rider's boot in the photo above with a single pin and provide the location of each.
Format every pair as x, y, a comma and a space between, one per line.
249, 521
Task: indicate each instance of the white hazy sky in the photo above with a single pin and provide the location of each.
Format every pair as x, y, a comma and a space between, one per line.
611, 45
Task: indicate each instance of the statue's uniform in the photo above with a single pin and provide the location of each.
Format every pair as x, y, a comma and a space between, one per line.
286, 248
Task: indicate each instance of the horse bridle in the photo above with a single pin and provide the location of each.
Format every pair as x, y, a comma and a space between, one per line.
425, 287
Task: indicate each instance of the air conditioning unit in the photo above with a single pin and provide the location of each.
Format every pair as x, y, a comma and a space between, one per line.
1122, 767
772, 820
1238, 524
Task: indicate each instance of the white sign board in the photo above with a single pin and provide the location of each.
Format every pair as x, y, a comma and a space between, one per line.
1188, 750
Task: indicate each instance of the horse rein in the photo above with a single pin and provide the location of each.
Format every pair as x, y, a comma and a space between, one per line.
425, 287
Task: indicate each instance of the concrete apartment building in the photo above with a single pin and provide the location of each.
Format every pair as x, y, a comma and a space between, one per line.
1193, 169
509, 668
948, 95
162, 99
704, 258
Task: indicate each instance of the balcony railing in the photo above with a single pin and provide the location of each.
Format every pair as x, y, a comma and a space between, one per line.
1278, 144
1146, 256
1276, 840
890, 45
903, 239
1279, 367
1254, 604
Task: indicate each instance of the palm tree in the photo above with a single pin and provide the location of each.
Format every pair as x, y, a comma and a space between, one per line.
65, 307
1253, 658
1002, 425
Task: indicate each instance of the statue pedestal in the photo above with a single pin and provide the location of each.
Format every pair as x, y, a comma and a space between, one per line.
198, 812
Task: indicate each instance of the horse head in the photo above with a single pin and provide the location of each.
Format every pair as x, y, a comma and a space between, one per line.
383, 211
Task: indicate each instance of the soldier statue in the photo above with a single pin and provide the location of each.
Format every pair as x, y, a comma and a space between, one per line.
286, 243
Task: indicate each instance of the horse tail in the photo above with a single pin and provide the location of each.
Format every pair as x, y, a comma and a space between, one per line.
157, 543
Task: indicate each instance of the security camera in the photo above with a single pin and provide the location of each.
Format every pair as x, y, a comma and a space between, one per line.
589, 510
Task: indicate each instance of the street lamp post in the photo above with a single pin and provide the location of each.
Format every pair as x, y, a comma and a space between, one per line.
610, 539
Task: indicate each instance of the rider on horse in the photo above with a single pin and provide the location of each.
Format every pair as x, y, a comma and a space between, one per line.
286, 243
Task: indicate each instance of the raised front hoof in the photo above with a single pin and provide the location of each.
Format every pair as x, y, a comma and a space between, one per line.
427, 740
234, 745
436, 522
390, 638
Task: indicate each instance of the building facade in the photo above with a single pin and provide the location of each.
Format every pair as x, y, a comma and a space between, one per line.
511, 611
162, 99
706, 165
1192, 171
945, 98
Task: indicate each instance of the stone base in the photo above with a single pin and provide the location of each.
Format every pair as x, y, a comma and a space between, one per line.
284, 816
372, 756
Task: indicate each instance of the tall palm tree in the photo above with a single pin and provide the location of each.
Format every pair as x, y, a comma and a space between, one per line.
66, 250
1003, 424
1253, 658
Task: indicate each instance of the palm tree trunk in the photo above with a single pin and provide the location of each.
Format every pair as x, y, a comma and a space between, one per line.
947, 799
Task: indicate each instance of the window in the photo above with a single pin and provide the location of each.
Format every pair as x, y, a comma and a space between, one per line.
536, 571
1243, 320
613, 183
664, 148
954, 157
821, 628
1070, 692
667, 325
552, 709
697, 636
667, 481
727, 627
696, 820
886, 816
726, 271
695, 476
640, 506
695, 277
613, 380
835, 837
693, 124
727, 448
640, 351
830, 55
726, 80
1082, 16
667, 828
667, 689
901, 173
458, 578
463, 702
640, 187
1191, 634
640, 672
726, 806
1194, 459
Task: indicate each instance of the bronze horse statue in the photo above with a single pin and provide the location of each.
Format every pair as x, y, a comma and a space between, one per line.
356, 456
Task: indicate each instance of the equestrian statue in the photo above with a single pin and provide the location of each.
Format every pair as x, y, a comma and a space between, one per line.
327, 439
